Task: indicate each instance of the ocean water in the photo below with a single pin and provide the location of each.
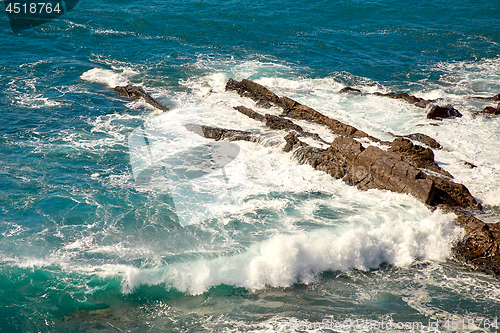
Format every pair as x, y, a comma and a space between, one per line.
101, 232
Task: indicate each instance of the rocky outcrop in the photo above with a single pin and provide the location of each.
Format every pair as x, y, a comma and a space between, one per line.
373, 167
137, 92
291, 108
365, 168
403, 168
402, 157
442, 112
453, 194
294, 109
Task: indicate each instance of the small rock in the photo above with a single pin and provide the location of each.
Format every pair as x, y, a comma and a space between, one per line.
350, 90
441, 112
470, 165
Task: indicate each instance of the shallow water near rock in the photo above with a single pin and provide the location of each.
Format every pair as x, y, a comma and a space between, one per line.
86, 244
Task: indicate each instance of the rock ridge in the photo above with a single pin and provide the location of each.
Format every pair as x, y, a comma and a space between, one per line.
401, 168
436, 112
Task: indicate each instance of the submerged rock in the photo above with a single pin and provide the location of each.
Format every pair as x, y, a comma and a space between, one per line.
138, 92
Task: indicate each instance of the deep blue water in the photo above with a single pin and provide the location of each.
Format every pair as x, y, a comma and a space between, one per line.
84, 247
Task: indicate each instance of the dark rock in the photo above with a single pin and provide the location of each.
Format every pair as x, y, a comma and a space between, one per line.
236, 86
492, 110
365, 168
470, 165
279, 123
350, 90
440, 112
389, 171
137, 92
260, 90
425, 139
292, 142
294, 109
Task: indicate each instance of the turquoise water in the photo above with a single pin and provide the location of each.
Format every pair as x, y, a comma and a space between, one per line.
85, 245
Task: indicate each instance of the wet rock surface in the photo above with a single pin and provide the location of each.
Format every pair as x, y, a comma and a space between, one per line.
258, 93
403, 168
137, 92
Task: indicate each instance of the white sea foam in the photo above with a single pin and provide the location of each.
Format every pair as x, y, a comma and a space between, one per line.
290, 258
285, 259
470, 77
107, 77
36, 101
